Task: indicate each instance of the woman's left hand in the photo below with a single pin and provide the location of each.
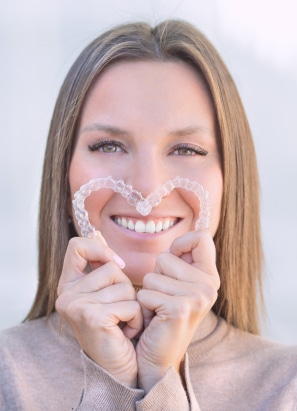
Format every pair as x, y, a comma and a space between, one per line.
175, 299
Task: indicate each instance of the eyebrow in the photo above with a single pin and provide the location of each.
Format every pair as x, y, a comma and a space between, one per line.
116, 131
191, 130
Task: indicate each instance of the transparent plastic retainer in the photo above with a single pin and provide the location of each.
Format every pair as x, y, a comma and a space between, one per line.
134, 198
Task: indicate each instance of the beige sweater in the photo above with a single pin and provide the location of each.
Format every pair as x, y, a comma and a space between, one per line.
42, 368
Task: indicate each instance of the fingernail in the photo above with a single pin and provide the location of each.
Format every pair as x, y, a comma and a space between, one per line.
119, 261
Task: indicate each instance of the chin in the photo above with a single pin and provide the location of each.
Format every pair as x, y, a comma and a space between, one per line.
138, 265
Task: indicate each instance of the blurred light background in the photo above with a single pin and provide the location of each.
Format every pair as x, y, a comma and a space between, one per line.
38, 43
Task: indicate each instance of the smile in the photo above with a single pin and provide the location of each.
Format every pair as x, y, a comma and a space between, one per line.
149, 226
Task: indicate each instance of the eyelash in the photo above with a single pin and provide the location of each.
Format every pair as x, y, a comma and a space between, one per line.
194, 150
100, 145
189, 147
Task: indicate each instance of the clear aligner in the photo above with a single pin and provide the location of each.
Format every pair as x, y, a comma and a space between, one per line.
134, 198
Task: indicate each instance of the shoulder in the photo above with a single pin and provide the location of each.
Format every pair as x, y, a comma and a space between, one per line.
237, 348
29, 337
34, 358
256, 345
238, 344
252, 355
243, 365
23, 333
36, 337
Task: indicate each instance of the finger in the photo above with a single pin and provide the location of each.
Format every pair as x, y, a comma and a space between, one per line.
70, 299
95, 264
79, 252
177, 278
110, 293
201, 247
99, 237
178, 308
96, 280
147, 314
152, 302
180, 277
128, 312
174, 267
170, 281
89, 309
134, 325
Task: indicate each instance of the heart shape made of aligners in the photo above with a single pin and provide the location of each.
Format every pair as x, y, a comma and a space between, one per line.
134, 198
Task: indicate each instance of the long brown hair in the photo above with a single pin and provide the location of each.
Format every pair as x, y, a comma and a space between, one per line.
238, 243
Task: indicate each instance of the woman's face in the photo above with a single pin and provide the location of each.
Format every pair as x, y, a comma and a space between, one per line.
145, 123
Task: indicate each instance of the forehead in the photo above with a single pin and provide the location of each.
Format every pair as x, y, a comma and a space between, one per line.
157, 66
149, 87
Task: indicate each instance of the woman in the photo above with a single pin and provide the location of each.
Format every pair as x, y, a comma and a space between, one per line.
146, 105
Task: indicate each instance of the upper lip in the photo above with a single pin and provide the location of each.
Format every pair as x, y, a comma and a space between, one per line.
145, 218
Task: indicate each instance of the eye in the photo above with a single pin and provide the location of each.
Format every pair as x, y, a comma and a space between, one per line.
107, 146
188, 150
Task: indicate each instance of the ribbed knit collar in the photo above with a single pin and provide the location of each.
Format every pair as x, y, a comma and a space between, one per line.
212, 332
200, 348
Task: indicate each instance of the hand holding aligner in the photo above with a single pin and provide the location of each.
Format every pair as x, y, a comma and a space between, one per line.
134, 198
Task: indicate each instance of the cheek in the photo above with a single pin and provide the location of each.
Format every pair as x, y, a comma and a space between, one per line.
212, 182
192, 201
95, 203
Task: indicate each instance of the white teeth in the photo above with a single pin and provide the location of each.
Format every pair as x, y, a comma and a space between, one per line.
150, 227
166, 224
139, 226
124, 223
159, 226
142, 227
130, 225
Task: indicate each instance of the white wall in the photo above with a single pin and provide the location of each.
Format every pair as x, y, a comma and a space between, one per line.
38, 43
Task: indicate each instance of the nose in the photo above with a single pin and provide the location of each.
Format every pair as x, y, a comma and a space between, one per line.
147, 173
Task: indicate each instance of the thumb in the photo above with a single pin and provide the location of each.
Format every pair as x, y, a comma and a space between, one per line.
147, 315
197, 248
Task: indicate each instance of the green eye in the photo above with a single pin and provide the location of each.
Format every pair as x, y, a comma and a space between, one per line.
189, 150
185, 151
108, 148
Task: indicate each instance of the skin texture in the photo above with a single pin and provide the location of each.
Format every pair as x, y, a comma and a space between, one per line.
149, 122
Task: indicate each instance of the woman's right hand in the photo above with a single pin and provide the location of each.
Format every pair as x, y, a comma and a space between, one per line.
96, 303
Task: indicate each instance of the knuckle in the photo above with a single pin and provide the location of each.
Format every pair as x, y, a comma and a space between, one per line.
74, 243
63, 302
133, 306
127, 290
201, 304
217, 283
91, 318
203, 300
148, 280
161, 260
83, 313
59, 290
59, 305
182, 308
